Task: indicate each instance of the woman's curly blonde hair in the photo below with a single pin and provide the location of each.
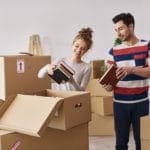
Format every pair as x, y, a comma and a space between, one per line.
86, 35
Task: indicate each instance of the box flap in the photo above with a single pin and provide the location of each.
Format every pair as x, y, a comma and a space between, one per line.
28, 114
4, 132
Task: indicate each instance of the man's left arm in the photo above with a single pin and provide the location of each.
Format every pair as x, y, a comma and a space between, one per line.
141, 71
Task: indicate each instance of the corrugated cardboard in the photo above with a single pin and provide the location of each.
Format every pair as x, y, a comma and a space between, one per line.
18, 74
145, 144
145, 125
28, 114
52, 139
76, 108
145, 132
96, 89
101, 125
102, 105
97, 68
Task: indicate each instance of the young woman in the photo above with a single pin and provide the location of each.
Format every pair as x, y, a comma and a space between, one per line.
81, 44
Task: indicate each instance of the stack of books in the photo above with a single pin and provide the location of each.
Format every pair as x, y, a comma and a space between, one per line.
109, 77
62, 73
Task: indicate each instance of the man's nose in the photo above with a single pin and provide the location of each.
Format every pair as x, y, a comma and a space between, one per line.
118, 33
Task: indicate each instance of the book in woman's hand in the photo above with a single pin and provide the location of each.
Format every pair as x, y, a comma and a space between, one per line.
109, 77
62, 73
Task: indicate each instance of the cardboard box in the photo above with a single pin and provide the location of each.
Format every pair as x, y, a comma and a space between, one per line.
31, 114
96, 89
145, 132
18, 74
145, 125
28, 114
52, 139
145, 144
76, 108
101, 125
102, 105
97, 68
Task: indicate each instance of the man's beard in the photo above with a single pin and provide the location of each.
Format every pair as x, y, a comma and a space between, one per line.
125, 39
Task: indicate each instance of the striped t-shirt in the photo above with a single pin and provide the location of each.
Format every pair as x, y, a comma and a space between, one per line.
132, 88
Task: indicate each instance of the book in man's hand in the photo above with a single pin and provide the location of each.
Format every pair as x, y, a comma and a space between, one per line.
62, 73
109, 77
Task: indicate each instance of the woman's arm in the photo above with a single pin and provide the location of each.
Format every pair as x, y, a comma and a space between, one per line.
48, 69
43, 71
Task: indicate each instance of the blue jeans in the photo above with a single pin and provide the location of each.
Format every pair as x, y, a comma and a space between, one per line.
126, 115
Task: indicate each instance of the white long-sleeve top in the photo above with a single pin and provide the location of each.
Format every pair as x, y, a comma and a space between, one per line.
81, 76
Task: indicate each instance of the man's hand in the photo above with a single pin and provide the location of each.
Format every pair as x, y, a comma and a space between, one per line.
124, 71
108, 87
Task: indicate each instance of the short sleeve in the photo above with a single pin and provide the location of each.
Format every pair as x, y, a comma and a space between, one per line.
148, 47
110, 58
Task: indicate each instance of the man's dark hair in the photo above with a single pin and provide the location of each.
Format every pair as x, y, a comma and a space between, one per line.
127, 18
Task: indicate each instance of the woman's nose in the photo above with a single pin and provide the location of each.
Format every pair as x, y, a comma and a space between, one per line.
79, 49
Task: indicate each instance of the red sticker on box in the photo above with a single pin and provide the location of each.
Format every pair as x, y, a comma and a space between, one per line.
16, 145
20, 66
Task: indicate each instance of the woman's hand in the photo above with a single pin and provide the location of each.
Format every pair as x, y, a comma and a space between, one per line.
50, 69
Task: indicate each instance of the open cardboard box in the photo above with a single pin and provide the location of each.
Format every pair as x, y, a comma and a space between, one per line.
75, 110
31, 114
28, 114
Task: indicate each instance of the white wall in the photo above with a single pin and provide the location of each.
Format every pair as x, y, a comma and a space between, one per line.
58, 21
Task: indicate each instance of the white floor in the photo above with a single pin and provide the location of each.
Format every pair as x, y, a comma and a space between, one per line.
107, 143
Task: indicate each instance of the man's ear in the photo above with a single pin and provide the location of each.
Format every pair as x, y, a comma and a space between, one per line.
131, 26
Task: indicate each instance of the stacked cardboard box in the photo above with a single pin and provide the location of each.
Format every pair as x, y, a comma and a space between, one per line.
145, 133
101, 106
18, 74
98, 67
34, 117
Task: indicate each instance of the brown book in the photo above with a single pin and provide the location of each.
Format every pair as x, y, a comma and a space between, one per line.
109, 77
63, 72
67, 67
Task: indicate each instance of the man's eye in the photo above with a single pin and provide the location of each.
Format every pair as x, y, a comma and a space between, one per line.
121, 28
